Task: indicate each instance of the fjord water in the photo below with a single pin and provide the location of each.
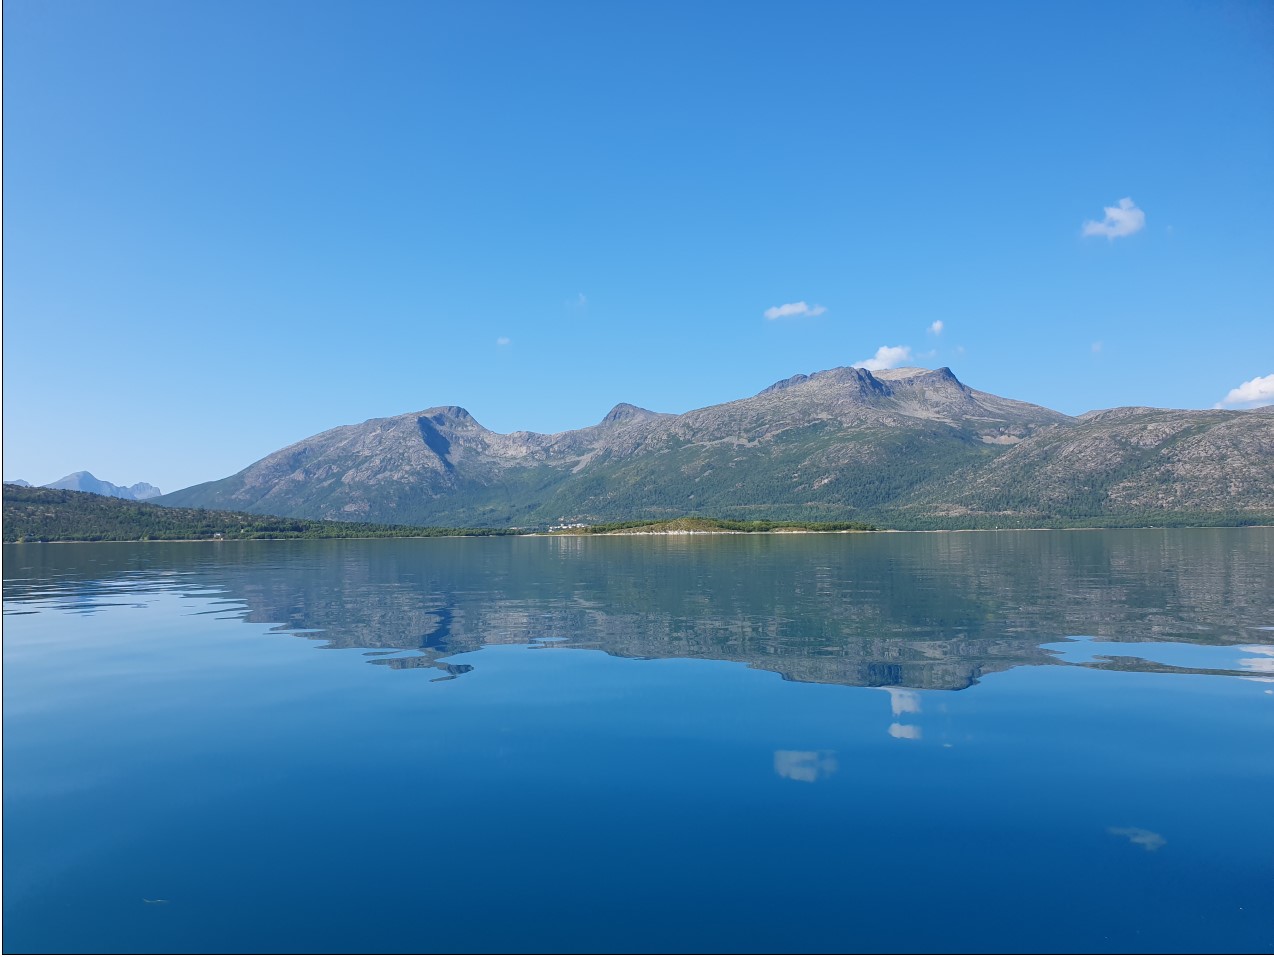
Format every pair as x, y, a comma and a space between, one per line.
1052, 741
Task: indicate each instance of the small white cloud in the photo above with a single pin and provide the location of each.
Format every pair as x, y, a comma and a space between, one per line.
1122, 220
937, 326
789, 309
1254, 392
504, 341
905, 732
886, 357
1096, 347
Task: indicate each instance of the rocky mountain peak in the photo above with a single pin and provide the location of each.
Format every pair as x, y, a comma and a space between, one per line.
624, 412
450, 416
919, 376
785, 384
854, 379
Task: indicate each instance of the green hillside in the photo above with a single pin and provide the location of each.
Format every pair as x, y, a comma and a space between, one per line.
53, 515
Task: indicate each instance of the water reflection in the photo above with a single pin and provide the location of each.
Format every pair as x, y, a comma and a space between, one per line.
903, 702
908, 732
1264, 664
807, 766
1164, 656
899, 612
1147, 840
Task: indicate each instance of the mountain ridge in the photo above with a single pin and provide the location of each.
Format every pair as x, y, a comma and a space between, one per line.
841, 443
84, 481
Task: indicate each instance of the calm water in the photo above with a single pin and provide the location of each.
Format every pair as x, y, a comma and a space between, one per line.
1053, 741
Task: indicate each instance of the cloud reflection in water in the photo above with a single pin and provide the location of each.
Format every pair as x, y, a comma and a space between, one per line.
807, 766
1140, 836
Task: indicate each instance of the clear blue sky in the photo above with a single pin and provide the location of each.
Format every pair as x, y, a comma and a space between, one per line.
231, 225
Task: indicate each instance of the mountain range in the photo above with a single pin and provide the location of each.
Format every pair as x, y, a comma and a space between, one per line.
88, 482
908, 447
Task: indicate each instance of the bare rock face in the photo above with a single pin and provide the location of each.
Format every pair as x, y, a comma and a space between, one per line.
841, 443
1133, 460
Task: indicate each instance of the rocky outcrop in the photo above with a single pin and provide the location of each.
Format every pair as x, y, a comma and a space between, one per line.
1125, 461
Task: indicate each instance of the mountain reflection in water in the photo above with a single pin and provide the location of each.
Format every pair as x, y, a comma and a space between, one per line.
896, 611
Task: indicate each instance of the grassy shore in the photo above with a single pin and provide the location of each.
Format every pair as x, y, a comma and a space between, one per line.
706, 526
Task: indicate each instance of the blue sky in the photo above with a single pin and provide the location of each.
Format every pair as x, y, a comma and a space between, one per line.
228, 226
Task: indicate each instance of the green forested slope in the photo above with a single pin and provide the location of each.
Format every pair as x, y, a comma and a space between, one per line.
53, 515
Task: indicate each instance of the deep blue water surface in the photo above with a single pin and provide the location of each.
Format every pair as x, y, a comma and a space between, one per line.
986, 742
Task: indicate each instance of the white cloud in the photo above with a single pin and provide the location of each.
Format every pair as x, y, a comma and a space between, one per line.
937, 326
1122, 220
886, 357
789, 309
1254, 392
1097, 347
504, 341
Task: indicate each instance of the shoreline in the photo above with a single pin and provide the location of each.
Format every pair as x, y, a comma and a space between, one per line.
637, 534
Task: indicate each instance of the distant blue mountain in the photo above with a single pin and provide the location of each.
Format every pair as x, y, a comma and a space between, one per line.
23, 482
88, 482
